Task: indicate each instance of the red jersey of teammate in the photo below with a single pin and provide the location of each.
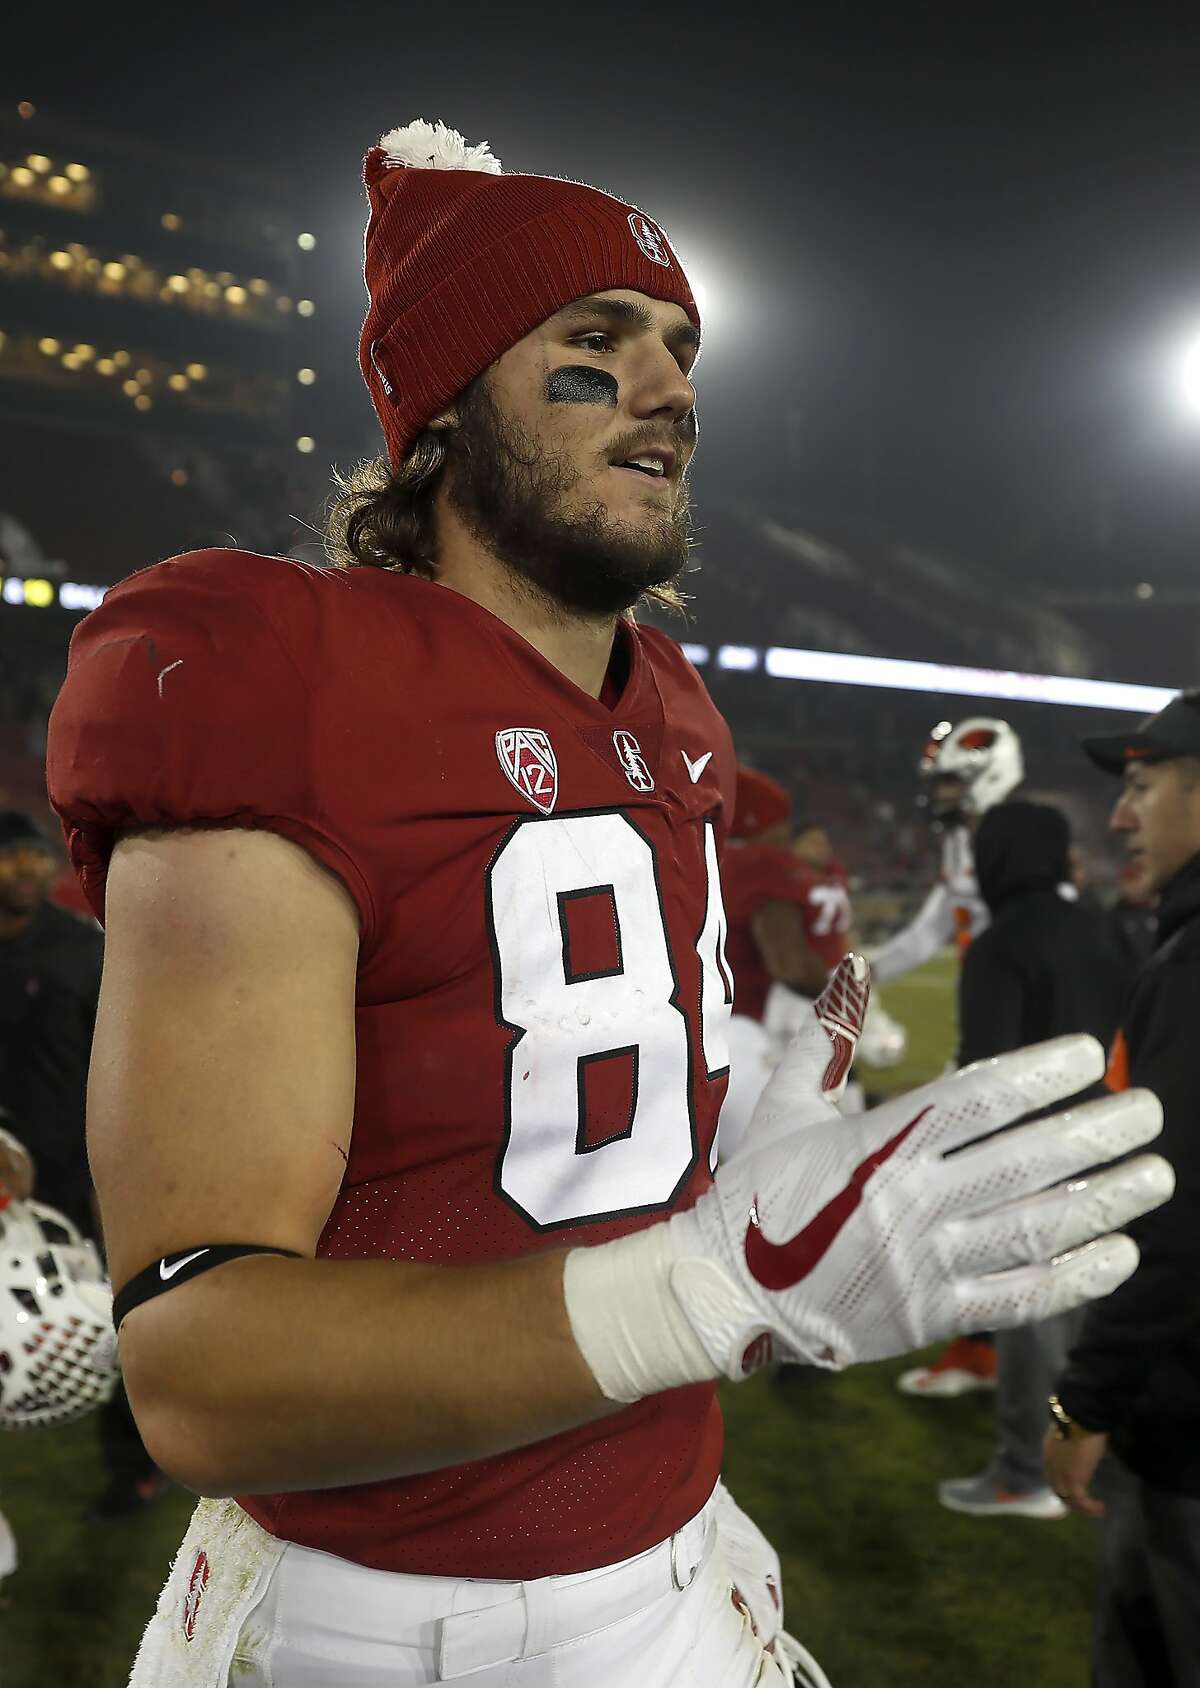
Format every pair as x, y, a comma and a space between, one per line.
754, 874
542, 1003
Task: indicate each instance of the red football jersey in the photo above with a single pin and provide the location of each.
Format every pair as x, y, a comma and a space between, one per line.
755, 874
542, 1002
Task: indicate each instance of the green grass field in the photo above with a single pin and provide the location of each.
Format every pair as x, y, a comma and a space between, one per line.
884, 1587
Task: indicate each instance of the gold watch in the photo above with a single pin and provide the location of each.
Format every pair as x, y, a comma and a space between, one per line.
1068, 1428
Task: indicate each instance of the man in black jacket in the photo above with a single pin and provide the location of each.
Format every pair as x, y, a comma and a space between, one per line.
1131, 1388
1047, 964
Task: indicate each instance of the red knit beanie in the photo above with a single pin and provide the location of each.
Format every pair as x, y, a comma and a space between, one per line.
462, 262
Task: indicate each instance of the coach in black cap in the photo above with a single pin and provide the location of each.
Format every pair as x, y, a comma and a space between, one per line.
1131, 1388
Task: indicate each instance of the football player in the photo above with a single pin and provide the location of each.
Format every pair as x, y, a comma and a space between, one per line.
969, 768
789, 926
414, 1024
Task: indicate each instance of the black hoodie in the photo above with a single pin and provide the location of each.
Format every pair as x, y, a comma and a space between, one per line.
1135, 1370
1047, 964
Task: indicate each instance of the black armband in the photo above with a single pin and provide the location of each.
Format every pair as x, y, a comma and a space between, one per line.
177, 1268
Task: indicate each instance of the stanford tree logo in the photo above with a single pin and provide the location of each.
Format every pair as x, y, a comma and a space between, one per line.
651, 239
633, 763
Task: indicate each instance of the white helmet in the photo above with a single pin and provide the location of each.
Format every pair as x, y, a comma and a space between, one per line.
984, 754
58, 1349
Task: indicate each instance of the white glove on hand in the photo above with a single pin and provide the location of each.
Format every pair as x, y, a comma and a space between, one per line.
785, 1013
835, 1240
819, 1056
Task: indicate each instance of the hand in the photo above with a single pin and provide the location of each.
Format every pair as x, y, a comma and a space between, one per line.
839, 1240
785, 1012
818, 1040
1070, 1466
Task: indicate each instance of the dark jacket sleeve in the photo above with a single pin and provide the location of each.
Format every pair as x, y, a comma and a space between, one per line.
990, 998
1132, 1330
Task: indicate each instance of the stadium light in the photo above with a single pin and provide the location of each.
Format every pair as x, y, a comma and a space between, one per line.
1189, 375
897, 674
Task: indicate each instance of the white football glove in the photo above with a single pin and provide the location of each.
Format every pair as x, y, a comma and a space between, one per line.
785, 1012
830, 1240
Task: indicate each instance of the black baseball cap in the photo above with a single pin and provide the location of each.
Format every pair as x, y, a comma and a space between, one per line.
16, 827
1174, 731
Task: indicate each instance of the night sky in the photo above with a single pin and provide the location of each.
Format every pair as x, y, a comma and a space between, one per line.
949, 255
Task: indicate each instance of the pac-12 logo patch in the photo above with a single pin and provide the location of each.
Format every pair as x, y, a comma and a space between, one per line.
651, 239
195, 1594
527, 757
629, 753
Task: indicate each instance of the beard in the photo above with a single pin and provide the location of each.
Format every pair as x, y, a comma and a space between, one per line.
512, 494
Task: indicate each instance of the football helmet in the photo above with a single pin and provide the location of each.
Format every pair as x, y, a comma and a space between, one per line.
58, 1349
983, 755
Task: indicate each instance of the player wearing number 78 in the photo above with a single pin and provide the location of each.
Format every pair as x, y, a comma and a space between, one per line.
412, 1039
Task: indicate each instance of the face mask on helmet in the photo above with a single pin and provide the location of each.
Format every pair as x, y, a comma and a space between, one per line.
970, 767
58, 1350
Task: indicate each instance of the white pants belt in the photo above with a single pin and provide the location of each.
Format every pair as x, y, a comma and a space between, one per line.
551, 1611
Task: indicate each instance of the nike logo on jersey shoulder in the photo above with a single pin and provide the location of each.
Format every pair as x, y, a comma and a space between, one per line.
779, 1266
696, 768
166, 1272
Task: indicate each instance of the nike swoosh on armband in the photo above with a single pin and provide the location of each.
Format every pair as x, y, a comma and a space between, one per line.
778, 1266
166, 1272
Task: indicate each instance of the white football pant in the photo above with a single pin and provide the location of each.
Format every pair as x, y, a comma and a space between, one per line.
242, 1609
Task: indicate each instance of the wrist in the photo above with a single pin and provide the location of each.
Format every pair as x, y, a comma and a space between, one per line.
1066, 1427
626, 1319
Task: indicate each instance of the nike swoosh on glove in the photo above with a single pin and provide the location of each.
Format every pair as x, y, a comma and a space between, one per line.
856, 1239
832, 1240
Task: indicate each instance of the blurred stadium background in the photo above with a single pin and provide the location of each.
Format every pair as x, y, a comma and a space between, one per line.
176, 371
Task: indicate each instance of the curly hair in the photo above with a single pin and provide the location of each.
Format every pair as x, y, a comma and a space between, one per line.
384, 518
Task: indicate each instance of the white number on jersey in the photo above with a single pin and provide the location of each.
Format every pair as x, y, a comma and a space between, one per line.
833, 909
568, 1024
